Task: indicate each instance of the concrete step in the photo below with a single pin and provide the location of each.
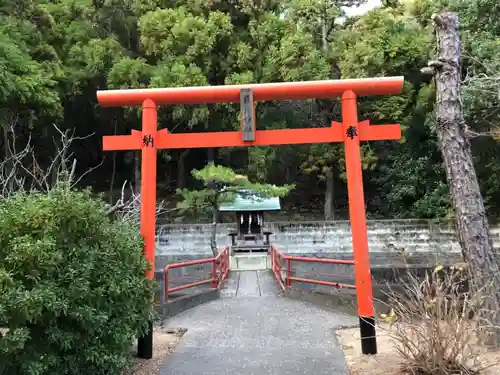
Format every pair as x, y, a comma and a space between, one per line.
249, 262
251, 284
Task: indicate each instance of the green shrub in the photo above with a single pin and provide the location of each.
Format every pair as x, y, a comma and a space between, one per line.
72, 291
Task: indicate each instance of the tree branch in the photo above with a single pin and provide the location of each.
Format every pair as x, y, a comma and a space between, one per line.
22, 171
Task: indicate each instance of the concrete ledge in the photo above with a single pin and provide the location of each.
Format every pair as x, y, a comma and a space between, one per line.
338, 301
343, 300
186, 302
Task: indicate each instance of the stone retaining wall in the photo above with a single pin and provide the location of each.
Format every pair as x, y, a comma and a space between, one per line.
424, 243
387, 238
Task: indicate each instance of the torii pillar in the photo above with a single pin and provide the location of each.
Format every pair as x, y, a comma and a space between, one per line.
351, 132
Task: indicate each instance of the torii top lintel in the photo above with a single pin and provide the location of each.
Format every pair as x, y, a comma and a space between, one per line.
261, 92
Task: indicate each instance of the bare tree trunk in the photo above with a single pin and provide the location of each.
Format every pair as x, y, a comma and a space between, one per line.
8, 155
213, 235
113, 172
210, 155
6, 142
54, 173
329, 209
324, 35
181, 170
137, 171
471, 221
60, 158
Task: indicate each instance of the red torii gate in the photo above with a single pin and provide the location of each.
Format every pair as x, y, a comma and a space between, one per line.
350, 131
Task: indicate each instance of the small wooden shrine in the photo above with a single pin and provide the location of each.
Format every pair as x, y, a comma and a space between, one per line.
250, 235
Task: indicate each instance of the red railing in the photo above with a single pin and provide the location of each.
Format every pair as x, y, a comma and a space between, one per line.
277, 259
220, 270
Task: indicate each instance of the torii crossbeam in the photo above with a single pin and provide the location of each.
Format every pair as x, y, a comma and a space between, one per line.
350, 131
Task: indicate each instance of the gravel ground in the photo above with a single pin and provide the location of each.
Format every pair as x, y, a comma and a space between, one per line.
164, 342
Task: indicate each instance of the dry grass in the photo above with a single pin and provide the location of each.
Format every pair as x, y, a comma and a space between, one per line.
164, 343
388, 361
439, 324
436, 326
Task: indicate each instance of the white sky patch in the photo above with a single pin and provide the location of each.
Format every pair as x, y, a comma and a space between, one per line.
356, 11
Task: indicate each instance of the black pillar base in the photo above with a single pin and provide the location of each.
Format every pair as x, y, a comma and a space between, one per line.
145, 344
368, 335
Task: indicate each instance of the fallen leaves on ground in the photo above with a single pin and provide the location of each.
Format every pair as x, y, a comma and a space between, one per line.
164, 343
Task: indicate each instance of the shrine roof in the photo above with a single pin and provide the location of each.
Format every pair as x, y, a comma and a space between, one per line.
248, 202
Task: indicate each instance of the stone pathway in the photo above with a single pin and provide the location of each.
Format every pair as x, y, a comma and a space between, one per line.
253, 330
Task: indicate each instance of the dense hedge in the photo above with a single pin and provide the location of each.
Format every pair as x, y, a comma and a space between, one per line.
72, 291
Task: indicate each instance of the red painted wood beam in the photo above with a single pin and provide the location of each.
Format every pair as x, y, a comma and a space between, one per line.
261, 92
335, 133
